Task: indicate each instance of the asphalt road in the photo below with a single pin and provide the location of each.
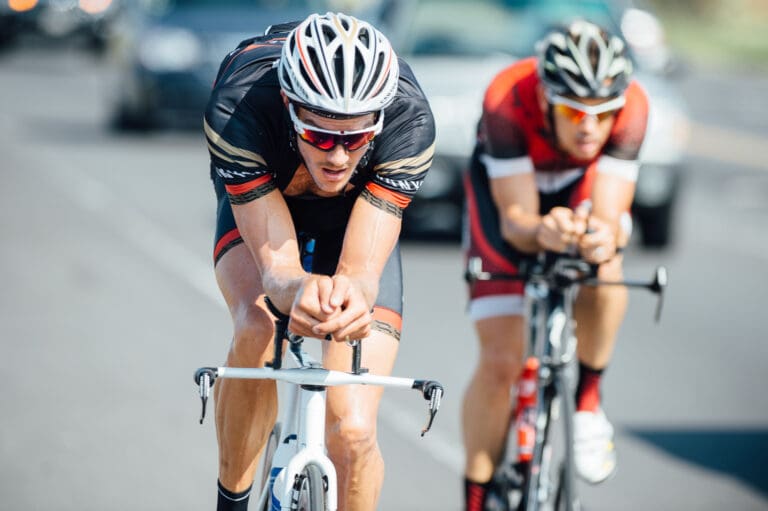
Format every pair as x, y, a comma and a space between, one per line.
108, 304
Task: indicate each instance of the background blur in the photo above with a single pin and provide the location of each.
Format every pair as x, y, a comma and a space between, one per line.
109, 301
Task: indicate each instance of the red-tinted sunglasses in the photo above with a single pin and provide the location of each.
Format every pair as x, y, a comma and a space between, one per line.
325, 140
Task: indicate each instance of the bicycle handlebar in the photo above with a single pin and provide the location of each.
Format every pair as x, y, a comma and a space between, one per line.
431, 390
562, 271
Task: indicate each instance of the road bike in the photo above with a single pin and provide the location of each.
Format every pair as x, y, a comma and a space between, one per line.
545, 479
296, 473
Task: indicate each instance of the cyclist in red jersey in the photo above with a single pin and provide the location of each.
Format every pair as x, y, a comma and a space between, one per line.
315, 130
554, 169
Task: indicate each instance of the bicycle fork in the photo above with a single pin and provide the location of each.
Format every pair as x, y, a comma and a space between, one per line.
310, 450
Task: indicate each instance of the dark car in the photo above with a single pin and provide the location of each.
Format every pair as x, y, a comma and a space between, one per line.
455, 47
58, 20
167, 53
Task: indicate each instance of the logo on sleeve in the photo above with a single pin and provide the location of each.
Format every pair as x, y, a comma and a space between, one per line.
232, 174
402, 184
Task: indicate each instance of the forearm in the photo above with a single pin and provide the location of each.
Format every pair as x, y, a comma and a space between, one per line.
611, 198
267, 230
520, 228
372, 234
517, 201
281, 284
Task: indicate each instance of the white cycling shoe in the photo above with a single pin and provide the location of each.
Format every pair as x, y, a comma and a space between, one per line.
594, 451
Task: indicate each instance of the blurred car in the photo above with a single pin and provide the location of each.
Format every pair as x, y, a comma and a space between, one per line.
57, 20
166, 54
456, 47
10, 19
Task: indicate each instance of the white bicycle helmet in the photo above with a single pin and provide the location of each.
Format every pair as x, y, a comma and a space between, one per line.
584, 60
338, 64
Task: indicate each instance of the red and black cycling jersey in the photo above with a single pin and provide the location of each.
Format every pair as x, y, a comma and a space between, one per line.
515, 136
251, 139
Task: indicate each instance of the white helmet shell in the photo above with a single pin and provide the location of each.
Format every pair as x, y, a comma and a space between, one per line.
338, 64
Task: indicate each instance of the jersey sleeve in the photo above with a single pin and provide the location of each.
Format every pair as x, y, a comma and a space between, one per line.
237, 131
235, 139
622, 150
501, 132
403, 154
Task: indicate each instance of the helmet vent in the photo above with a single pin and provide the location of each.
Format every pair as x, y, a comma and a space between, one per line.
376, 72
359, 69
312, 54
364, 37
328, 34
338, 68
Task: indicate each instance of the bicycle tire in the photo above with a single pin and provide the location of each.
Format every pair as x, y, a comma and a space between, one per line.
535, 470
566, 498
309, 490
554, 487
266, 462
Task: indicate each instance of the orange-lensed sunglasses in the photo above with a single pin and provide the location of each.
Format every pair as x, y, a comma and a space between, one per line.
576, 112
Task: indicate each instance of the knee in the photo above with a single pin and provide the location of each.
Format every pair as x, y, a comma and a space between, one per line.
252, 335
500, 369
352, 437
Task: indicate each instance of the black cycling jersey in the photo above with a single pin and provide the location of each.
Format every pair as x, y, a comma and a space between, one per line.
251, 138
252, 145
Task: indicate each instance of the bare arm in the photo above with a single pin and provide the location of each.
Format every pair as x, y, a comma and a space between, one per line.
517, 200
611, 197
266, 227
372, 233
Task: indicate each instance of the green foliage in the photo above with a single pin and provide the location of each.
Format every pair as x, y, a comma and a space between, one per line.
717, 32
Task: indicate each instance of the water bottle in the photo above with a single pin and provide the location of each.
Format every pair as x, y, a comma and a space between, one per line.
283, 454
525, 421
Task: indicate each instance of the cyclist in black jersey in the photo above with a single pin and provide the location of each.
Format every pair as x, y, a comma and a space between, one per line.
315, 130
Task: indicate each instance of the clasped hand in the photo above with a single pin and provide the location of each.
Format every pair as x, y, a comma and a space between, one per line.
330, 306
564, 229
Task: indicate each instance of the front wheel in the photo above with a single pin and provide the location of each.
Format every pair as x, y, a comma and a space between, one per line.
309, 490
266, 463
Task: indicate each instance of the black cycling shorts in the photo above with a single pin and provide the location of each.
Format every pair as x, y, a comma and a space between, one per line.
325, 221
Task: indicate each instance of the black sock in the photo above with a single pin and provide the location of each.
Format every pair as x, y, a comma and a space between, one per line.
474, 495
231, 501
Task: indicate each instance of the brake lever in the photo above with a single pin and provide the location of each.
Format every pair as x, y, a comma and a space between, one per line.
433, 392
205, 378
657, 286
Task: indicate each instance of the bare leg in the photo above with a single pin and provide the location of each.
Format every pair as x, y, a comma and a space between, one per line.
245, 409
487, 404
351, 422
599, 312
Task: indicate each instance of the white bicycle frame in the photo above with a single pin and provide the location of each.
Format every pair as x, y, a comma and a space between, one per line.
305, 413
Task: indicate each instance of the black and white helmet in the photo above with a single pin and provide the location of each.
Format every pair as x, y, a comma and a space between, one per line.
584, 60
338, 64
